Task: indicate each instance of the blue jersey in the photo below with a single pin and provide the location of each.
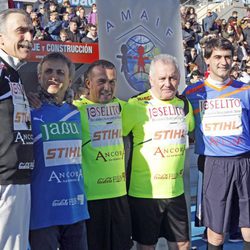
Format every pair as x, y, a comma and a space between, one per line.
57, 190
222, 118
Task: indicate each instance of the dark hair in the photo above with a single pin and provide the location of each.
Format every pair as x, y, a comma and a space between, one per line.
73, 20
217, 43
104, 63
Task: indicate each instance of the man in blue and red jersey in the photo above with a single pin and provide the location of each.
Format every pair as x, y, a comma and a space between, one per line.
221, 108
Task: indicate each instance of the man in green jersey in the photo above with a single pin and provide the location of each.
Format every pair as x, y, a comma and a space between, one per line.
109, 226
159, 120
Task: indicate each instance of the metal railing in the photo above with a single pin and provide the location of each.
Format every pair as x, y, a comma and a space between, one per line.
204, 2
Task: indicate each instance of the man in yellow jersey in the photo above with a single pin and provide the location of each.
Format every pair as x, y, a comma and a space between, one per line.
159, 120
109, 226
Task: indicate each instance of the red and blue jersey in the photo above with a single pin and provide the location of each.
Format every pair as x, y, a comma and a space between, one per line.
222, 118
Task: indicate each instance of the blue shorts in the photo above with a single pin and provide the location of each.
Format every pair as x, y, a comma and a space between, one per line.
226, 185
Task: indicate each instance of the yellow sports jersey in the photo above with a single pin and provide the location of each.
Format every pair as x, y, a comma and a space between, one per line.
102, 149
160, 131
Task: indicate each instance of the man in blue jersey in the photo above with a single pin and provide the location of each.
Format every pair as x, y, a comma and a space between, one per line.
221, 108
58, 207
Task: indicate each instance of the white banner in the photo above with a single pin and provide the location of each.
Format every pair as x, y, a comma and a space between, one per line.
132, 32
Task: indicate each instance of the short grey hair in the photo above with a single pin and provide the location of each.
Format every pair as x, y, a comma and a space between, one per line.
5, 14
166, 59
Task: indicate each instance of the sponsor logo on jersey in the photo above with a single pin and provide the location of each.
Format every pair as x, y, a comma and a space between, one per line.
163, 111
62, 152
170, 134
108, 134
60, 130
78, 200
65, 176
108, 111
169, 176
112, 179
26, 165
110, 156
173, 151
24, 137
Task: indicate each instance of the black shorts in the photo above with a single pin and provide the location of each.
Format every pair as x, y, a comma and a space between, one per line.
70, 237
109, 226
154, 218
226, 187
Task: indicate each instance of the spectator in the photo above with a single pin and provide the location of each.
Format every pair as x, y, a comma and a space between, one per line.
242, 53
82, 21
200, 60
235, 72
188, 35
39, 33
238, 32
229, 31
192, 57
54, 26
183, 12
223, 24
33, 15
246, 33
191, 15
73, 32
71, 12
195, 76
28, 9
16, 156
63, 8
42, 15
64, 36
234, 17
53, 7
91, 36
235, 63
246, 18
44, 3
208, 21
92, 16
65, 20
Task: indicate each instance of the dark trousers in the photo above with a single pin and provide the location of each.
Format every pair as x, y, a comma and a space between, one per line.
64, 237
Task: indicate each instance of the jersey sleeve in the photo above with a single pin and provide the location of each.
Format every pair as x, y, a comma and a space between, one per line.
128, 118
190, 118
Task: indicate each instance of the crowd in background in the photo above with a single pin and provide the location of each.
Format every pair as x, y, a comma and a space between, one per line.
195, 36
63, 22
